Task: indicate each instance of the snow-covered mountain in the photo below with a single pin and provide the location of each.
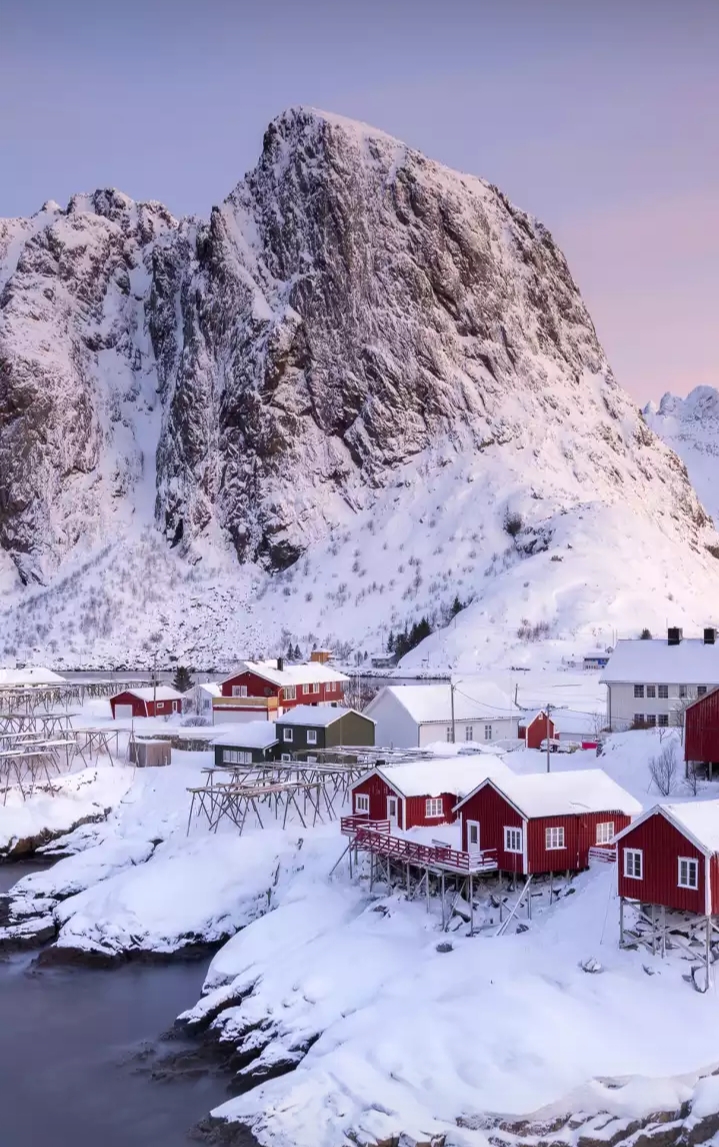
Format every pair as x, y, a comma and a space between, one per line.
366, 386
691, 427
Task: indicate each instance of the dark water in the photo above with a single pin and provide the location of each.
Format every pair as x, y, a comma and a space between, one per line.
77, 1046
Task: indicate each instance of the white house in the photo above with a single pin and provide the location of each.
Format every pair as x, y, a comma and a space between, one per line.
202, 695
410, 716
651, 682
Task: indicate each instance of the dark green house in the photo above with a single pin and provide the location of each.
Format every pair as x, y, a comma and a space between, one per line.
246, 743
308, 727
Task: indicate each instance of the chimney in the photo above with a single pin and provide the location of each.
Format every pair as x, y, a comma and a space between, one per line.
674, 636
710, 635
280, 663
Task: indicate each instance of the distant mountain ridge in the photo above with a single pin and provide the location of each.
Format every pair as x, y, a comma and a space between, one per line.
353, 372
690, 426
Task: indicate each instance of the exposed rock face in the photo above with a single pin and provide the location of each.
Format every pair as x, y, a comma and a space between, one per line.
690, 426
351, 304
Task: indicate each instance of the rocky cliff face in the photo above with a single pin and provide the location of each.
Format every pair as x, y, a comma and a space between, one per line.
690, 426
259, 377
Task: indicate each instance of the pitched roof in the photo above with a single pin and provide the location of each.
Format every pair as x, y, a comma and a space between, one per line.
248, 735
456, 775
307, 674
699, 820
31, 675
566, 793
317, 716
691, 662
211, 687
159, 693
478, 700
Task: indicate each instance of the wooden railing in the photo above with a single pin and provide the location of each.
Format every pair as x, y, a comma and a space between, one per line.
350, 824
404, 851
603, 853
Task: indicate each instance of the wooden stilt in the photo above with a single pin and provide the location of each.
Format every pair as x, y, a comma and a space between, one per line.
621, 921
471, 906
551, 889
443, 882
426, 886
708, 948
654, 930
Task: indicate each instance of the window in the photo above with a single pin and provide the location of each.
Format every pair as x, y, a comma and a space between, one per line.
605, 832
701, 690
663, 720
663, 691
512, 839
638, 690
651, 720
361, 802
468, 733
287, 735
688, 872
553, 838
239, 690
488, 732
433, 807
289, 692
449, 732
634, 863
315, 686
638, 718
311, 736
651, 690
286, 757
305, 689
682, 690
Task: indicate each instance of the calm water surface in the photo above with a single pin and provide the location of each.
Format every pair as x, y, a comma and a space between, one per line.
69, 1045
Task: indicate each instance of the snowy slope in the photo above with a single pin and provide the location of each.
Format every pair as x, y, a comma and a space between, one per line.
344, 381
691, 427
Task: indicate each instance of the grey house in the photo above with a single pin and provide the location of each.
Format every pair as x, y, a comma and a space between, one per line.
308, 727
246, 743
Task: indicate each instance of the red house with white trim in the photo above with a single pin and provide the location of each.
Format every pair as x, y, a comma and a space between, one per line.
266, 689
532, 729
544, 822
421, 793
701, 732
159, 701
670, 856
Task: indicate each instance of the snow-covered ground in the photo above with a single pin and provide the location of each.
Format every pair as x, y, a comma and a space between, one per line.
691, 427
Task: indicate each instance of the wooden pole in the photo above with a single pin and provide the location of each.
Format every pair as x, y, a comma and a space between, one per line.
621, 921
471, 905
708, 947
426, 886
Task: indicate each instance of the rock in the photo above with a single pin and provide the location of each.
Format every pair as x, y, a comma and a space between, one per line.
445, 946
591, 965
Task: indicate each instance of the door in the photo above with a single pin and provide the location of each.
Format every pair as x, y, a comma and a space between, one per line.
473, 837
392, 805
122, 712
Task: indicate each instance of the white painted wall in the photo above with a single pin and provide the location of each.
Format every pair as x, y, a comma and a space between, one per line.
394, 727
624, 705
468, 730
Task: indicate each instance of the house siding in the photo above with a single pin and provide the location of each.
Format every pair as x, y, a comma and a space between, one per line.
351, 729
257, 687
417, 810
536, 731
377, 790
139, 708
580, 834
258, 755
662, 845
701, 735
494, 813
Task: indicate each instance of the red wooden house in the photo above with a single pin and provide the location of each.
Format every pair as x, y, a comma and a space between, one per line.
160, 701
670, 856
421, 793
265, 689
532, 728
701, 732
544, 822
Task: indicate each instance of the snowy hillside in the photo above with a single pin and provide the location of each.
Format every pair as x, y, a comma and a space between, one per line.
691, 427
365, 387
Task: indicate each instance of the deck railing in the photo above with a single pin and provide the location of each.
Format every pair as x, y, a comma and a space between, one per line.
378, 840
603, 853
350, 824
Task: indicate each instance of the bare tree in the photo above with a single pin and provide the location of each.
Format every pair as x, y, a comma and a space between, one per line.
692, 778
663, 769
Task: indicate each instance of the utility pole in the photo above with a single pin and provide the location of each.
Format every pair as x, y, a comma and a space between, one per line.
451, 695
548, 710
154, 683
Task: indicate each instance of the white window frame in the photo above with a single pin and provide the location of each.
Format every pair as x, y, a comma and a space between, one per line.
288, 735
638, 718
663, 692
554, 838
701, 690
469, 732
626, 865
682, 692
663, 720
361, 803
395, 815
433, 808
471, 825
488, 732
305, 690
605, 831
239, 690
651, 691
286, 757
692, 864
315, 686
651, 720
513, 841
311, 736
638, 691
289, 692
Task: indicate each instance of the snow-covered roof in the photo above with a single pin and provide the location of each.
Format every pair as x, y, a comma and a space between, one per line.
318, 716
691, 662
528, 718
31, 675
457, 775
481, 700
212, 687
306, 674
698, 820
569, 721
249, 735
152, 693
566, 793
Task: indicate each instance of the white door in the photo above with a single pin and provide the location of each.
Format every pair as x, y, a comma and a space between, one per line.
473, 837
392, 803
122, 712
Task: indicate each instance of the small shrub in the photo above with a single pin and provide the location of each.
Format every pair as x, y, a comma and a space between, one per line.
513, 523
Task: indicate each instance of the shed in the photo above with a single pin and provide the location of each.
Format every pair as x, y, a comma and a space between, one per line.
701, 733
150, 753
421, 792
670, 856
533, 728
153, 701
544, 822
309, 727
249, 742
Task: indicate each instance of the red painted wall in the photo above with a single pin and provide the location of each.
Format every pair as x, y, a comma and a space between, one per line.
258, 687
493, 813
536, 732
701, 733
662, 845
378, 791
580, 834
417, 810
139, 708
412, 808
